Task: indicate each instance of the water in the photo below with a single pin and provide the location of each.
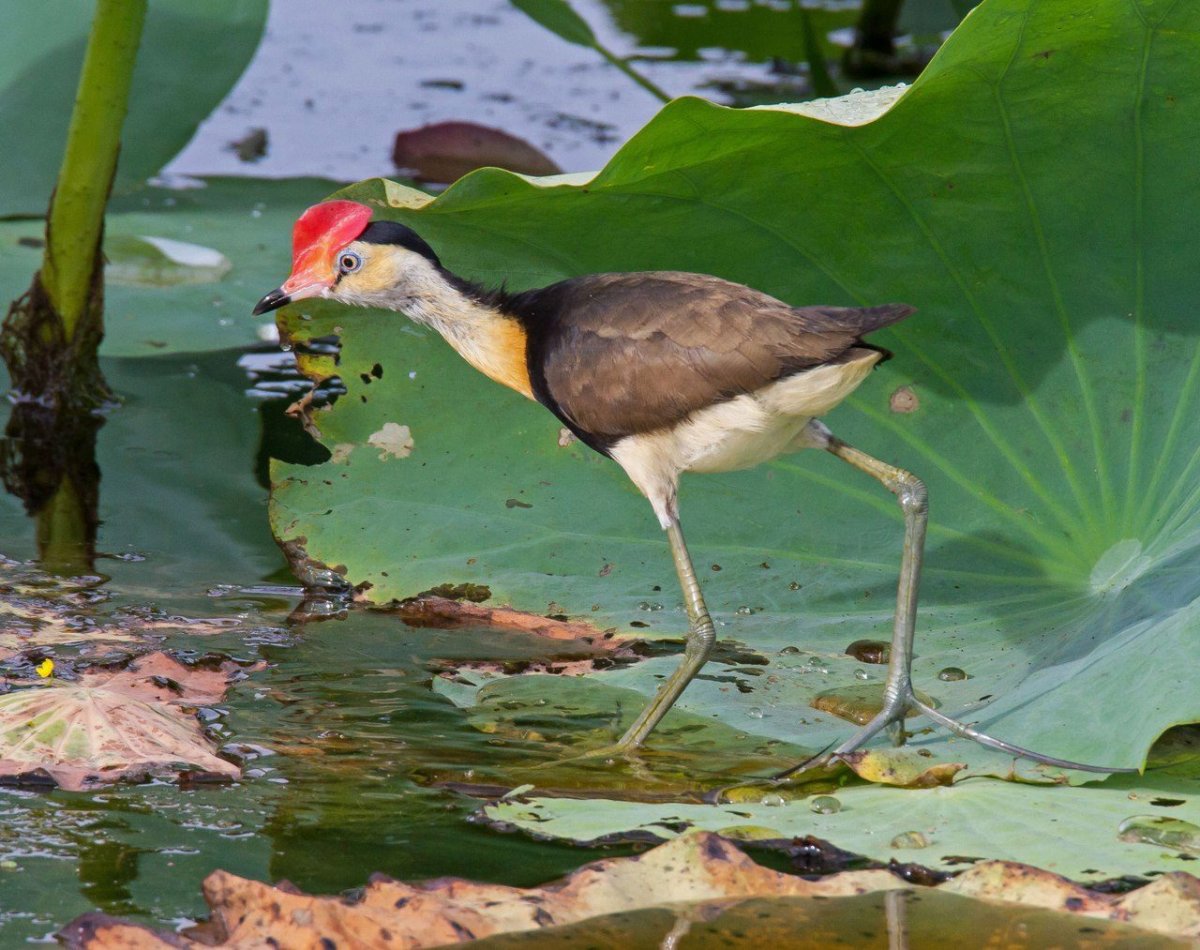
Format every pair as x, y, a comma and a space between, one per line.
344, 704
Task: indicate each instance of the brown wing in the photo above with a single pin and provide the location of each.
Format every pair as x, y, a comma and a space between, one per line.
617, 354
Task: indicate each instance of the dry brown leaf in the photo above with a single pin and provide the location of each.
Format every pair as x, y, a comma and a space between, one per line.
691, 868
445, 613
157, 676
684, 874
1171, 904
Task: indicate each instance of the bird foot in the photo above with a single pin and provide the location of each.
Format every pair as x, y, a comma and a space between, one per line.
892, 716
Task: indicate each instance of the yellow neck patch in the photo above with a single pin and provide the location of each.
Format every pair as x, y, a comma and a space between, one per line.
496, 347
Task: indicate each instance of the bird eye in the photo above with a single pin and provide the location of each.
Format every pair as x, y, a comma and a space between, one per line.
349, 262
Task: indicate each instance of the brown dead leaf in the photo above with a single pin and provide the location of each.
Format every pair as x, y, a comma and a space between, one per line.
902, 767
1170, 905
698, 876
97, 931
453, 614
689, 869
158, 677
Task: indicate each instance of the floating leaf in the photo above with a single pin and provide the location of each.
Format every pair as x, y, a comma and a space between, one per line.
699, 877
1076, 832
110, 726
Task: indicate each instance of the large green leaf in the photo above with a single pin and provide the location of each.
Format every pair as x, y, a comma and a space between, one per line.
190, 56
1029, 194
1106, 834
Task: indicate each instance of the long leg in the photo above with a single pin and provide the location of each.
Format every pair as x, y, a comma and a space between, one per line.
701, 636
898, 696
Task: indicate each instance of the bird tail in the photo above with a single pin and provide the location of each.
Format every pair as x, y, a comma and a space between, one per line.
868, 319
864, 320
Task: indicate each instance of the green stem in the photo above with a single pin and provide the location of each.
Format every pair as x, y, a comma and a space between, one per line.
632, 73
822, 82
93, 140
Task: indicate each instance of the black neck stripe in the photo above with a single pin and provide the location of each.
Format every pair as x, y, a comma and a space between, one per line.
392, 232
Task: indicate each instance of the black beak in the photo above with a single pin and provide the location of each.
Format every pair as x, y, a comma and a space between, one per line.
272, 301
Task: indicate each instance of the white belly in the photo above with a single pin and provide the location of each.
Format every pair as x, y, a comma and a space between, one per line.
740, 432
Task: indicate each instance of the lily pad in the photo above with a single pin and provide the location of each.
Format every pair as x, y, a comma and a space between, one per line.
1077, 832
110, 726
1053, 361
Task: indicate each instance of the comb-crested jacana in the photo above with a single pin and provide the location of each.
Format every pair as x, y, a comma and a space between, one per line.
664, 372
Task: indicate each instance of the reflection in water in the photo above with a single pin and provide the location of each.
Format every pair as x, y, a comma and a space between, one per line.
106, 869
48, 460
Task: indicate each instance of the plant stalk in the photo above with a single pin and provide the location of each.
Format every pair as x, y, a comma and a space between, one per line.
632, 73
76, 220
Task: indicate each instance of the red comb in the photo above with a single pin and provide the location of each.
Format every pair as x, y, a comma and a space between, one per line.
319, 234
331, 224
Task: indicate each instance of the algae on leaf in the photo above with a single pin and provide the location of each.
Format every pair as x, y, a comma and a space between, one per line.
1029, 195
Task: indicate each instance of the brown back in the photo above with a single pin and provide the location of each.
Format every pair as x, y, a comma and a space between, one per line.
617, 354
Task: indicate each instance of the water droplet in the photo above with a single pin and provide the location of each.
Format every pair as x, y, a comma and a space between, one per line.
910, 839
869, 651
861, 674
1173, 833
825, 805
789, 651
745, 611
646, 605
793, 586
755, 712
773, 800
952, 674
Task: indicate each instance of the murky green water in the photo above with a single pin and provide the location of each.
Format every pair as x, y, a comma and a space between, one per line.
344, 704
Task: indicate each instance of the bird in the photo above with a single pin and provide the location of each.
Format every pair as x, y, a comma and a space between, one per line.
664, 372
